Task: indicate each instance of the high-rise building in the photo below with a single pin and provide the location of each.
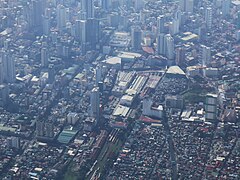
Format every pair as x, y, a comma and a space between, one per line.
138, 4
169, 46
78, 29
226, 7
44, 129
88, 8
83, 31
40, 128
61, 17
208, 17
205, 55
105, 4
149, 110
175, 24
1, 71
89, 32
238, 20
182, 5
44, 57
180, 56
186, 5
37, 12
189, 4
4, 94
13, 142
92, 32
160, 44
160, 24
211, 107
95, 103
46, 25
7, 60
98, 74
136, 38
49, 129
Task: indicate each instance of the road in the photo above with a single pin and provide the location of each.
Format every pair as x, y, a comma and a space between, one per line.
171, 148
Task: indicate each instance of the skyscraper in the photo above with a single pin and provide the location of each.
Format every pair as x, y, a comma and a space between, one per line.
61, 17
40, 128
44, 57
160, 24
169, 46
95, 103
88, 8
98, 74
180, 56
205, 55
44, 129
136, 38
105, 4
186, 5
92, 32
46, 25
49, 129
175, 26
238, 19
208, 17
226, 7
189, 6
160, 44
8, 66
4, 94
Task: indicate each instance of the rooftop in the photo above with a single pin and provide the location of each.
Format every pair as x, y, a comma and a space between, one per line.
175, 70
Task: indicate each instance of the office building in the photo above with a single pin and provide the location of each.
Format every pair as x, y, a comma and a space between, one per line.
89, 32
44, 57
88, 8
92, 32
136, 38
95, 103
